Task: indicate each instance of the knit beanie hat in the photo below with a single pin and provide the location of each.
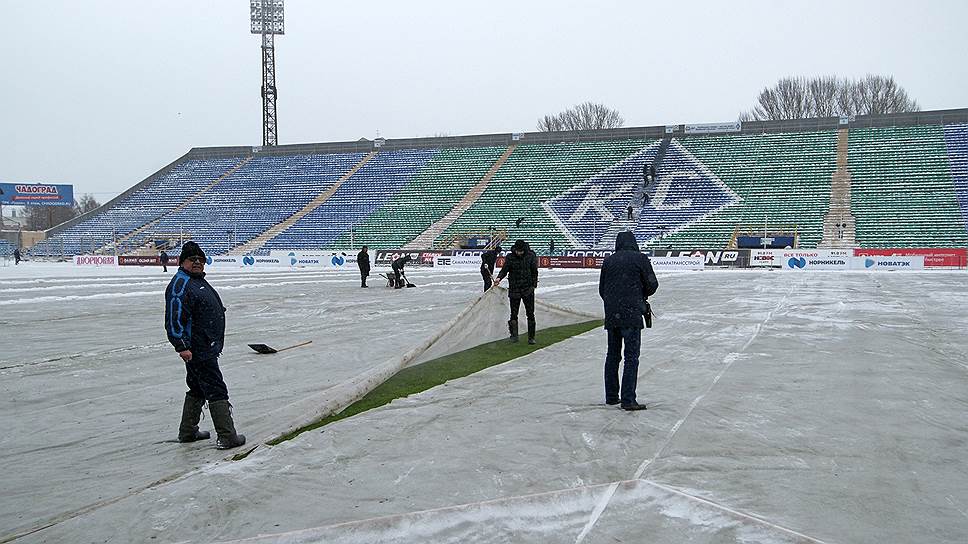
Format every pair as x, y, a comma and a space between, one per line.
190, 249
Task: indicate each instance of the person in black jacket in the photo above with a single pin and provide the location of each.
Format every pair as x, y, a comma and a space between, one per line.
195, 325
488, 261
626, 281
397, 267
522, 267
164, 260
16, 255
363, 261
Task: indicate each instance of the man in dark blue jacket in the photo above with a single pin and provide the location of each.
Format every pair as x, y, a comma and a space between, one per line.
195, 323
626, 281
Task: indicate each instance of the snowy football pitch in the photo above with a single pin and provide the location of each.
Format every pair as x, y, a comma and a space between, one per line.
783, 407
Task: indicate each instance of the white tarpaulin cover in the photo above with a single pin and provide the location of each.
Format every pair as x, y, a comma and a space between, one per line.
92, 391
826, 407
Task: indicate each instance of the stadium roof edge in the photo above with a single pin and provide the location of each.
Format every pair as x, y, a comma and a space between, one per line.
363, 145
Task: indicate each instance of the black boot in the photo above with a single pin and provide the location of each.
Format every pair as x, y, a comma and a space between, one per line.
532, 326
191, 413
513, 329
224, 426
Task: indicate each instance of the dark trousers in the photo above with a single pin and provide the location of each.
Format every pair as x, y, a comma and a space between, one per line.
205, 379
363, 275
632, 338
486, 274
397, 275
528, 306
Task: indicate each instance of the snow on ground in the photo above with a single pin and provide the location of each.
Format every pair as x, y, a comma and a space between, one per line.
784, 407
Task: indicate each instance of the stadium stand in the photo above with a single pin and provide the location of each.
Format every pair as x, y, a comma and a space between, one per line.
956, 140
260, 194
895, 185
780, 179
364, 192
532, 175
6, 248
903, 194
431, 193
143, 206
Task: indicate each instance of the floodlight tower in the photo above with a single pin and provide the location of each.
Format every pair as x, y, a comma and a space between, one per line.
267, 20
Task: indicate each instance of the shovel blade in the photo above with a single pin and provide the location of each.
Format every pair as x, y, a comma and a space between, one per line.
262, 348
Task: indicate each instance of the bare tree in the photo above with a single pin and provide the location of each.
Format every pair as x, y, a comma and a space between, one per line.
584, 116
86, 203
829, 96
45, 217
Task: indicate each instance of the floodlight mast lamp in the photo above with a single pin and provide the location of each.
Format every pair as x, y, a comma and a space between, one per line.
267, 19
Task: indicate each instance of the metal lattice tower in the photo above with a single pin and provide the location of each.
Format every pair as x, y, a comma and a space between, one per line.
267, 20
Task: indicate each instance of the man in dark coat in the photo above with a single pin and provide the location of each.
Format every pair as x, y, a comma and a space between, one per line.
397, 267
522, 267
195, 324
16, 255
164, 260
626, 281
488, 261
363, 261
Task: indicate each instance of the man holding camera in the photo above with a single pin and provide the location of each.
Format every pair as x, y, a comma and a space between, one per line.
626, 282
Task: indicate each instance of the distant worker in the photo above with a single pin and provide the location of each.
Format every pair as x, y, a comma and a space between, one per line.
630, 213
518, 221
195, 323
16, 255
164, 260
488, 261
551, 247
522, 267
398, 273
363, 261
626, 282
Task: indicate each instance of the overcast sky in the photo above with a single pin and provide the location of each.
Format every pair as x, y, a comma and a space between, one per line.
100, 94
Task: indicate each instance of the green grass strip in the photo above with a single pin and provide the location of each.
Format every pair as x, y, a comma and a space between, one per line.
438, 371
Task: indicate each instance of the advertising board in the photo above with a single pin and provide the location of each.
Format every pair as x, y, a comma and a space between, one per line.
915, 262
95, 260
660, 264
36, 194
933, 257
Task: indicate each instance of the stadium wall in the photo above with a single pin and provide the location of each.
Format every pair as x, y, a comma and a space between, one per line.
649, 132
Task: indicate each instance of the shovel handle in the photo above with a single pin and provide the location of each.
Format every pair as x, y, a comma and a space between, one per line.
297, 345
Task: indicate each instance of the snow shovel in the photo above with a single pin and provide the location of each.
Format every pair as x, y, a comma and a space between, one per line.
266, 350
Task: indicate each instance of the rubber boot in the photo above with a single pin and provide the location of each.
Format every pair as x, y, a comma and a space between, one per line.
513, 329
532, 326
224, 426
191, 413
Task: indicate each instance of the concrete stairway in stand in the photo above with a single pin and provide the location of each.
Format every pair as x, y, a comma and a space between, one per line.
840, 202
426, 239
277, 229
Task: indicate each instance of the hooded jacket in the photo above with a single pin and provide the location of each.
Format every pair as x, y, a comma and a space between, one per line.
194, 315
627, 279
523, 270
